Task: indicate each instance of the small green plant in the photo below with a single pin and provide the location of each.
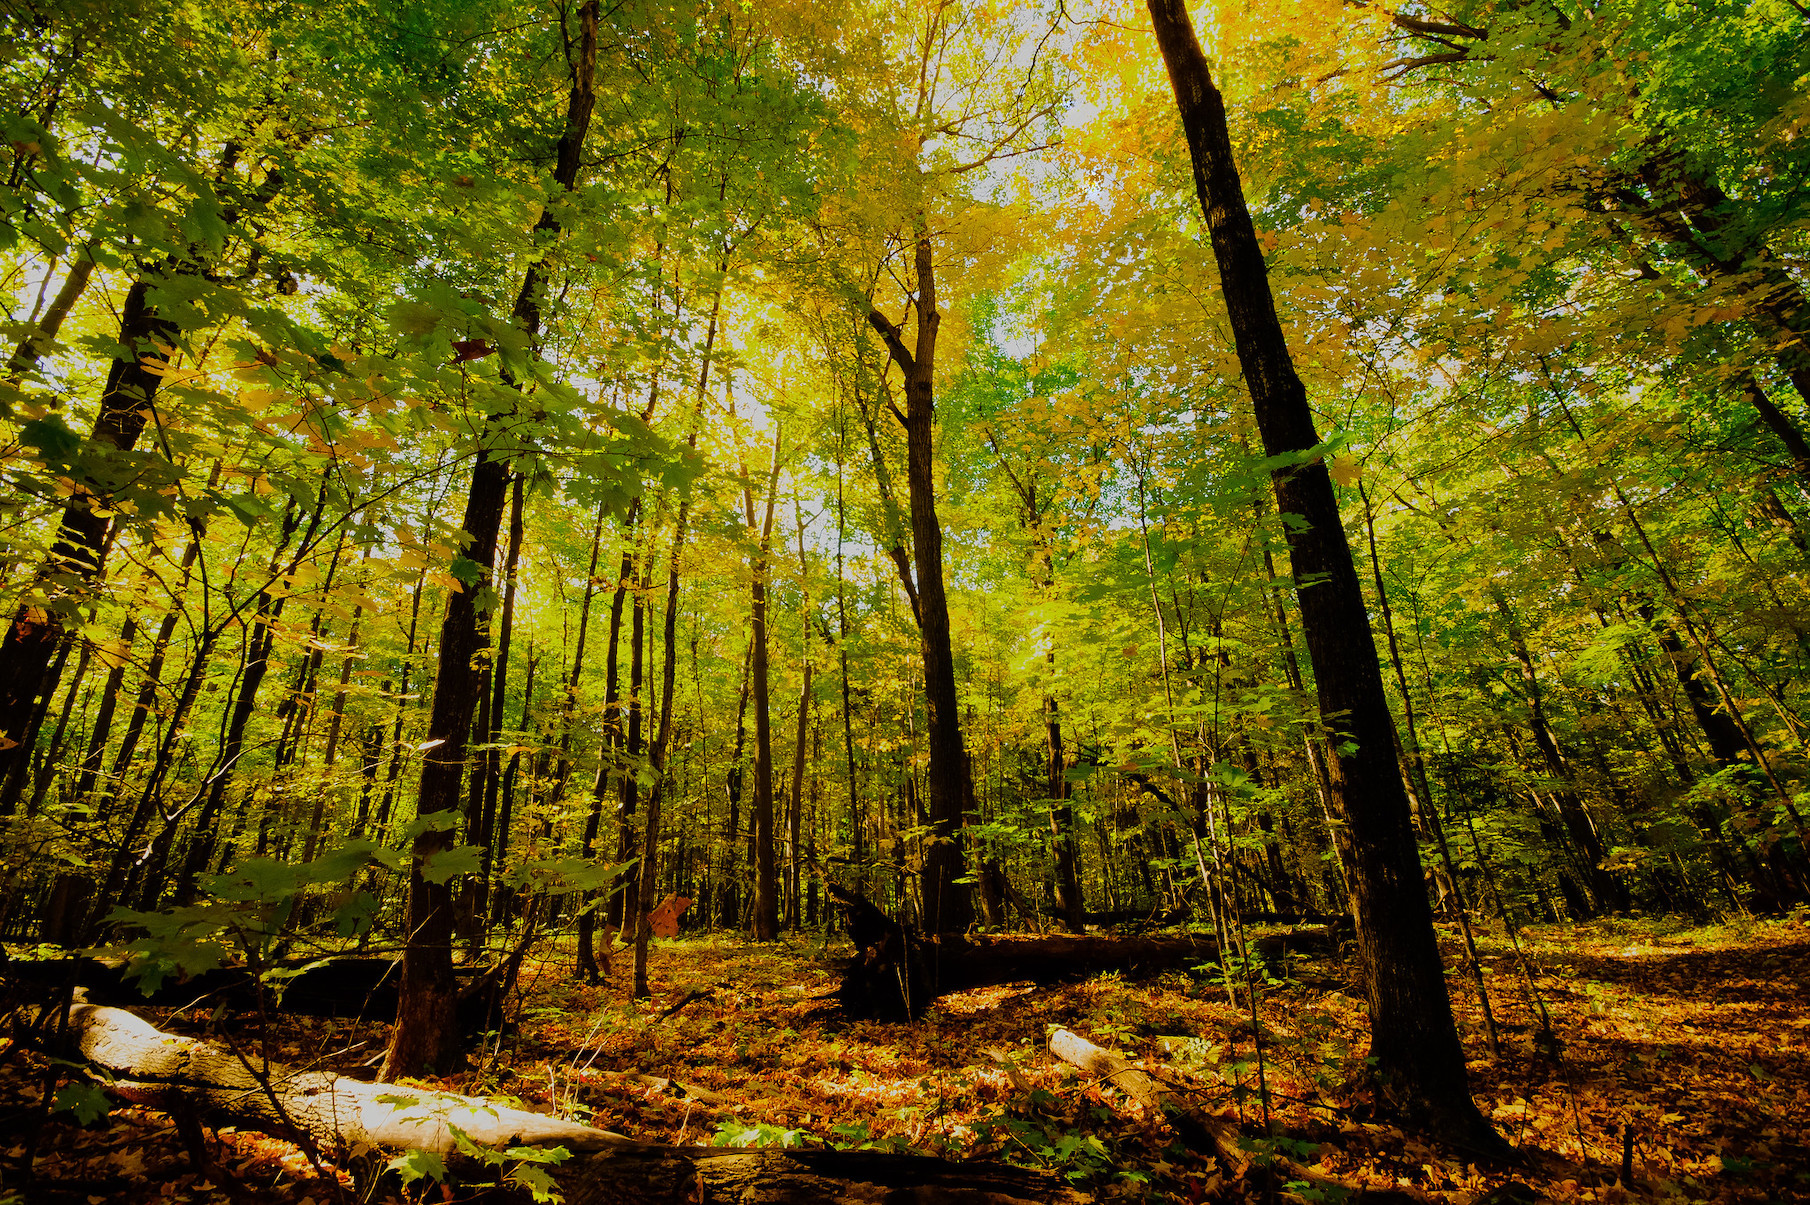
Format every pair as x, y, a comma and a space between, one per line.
524, 1167
732, 1133
1034, 1142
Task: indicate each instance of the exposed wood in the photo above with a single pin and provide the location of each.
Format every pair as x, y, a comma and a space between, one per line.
1202, 1132
151, 1067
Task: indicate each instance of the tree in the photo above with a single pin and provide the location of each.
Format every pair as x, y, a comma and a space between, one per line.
1419, 1060
427, 1032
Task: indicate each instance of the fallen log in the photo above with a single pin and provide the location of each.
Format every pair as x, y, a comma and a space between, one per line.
1202, 1133
149, 1066
896, 972
146, 1065
363, 988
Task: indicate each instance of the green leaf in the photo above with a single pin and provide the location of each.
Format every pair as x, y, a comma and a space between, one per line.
539, 1184
87, 1102
441, 866
51, 436
418, 1165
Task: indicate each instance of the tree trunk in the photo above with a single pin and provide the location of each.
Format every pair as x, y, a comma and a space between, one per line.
36, 632
607, 766
795, 802
657, 755
948, 904
765, 922
1419, 1060
426, 1032
491, 765
32, 348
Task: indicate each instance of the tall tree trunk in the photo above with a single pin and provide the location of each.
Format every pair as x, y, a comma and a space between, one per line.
37, 631
948, 903
1419, 1060
491, 765
795, 801
662, 746
607, 766
427, 1031
729, 901
857, 854
630, 797
765, 922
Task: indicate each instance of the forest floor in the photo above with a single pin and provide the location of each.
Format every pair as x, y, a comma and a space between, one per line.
1694, 1040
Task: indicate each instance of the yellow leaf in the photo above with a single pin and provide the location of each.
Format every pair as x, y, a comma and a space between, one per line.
1345, 470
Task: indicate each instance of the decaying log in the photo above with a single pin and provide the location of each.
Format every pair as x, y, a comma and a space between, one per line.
365, 988
1202, 1133
148, 1066
1057, 957
895, 972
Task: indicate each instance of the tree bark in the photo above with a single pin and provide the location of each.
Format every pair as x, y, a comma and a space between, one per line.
36, 632
948, 903
426, 1031
765, 921
1419, 1059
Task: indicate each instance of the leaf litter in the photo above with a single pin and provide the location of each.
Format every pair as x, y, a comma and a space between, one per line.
1684, 1051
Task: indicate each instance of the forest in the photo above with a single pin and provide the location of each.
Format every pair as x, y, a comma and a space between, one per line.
954, 601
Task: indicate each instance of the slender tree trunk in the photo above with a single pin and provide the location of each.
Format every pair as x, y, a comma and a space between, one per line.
729, 903
657, 756
146, 698
856, 819
251, 676
47, 768
120, 657
32, 348
607, 767
948, 903
36, 632
255, 665
795, 803
426, 1032
1419, 1060
765, 923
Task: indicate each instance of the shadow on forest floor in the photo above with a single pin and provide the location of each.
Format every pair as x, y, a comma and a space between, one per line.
1698, 1040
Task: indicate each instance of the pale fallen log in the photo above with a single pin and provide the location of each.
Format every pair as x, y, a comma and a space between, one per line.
148, 1066
1200, 1132
145, 1065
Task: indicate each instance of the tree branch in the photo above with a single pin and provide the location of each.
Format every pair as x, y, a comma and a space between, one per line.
894, 344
